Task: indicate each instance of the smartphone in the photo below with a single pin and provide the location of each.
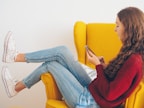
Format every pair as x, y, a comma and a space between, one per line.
88, 49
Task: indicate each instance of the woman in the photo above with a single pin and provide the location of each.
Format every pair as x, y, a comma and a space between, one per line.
114, 83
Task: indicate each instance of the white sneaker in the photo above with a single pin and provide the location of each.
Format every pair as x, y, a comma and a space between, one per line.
10, 51
9, 82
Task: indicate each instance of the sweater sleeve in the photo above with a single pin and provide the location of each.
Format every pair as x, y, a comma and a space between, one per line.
127, 77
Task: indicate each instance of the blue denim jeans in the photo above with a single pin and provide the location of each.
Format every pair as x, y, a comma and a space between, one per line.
71, 78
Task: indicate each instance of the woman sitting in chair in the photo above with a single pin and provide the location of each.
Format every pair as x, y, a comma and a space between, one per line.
113, 84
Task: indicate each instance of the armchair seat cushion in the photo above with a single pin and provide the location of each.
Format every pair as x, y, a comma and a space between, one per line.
52, 103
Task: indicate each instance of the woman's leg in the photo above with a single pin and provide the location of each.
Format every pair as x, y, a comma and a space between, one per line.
33, 78
72, 91
60, 54
75, 95
63, 56
68, 85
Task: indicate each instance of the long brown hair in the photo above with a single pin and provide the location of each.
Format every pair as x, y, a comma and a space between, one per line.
133, 20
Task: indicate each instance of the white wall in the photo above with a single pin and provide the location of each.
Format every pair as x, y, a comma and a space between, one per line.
40, 24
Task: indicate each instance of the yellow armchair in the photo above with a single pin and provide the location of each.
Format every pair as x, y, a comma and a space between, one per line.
102, 39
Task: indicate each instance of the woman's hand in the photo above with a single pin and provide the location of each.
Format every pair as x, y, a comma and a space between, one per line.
92, 58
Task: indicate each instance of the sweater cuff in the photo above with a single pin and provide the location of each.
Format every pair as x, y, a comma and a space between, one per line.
99, 68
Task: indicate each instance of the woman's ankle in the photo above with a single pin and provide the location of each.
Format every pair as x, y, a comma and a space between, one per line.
20, 58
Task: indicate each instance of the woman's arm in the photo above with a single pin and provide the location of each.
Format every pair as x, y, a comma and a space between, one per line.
127, 78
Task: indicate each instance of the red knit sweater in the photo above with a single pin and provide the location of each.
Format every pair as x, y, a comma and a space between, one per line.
109, 94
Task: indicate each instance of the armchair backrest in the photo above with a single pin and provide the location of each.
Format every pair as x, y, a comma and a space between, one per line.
100, 37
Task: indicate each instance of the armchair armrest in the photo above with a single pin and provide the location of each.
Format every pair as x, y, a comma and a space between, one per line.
54, 97
52, 90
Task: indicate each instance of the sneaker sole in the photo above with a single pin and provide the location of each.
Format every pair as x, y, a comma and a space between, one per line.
5, 82
6, 45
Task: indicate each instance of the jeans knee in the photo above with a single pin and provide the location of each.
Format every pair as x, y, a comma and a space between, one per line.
65, 52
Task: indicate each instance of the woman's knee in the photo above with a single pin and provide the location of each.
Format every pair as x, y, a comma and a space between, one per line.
64, 50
